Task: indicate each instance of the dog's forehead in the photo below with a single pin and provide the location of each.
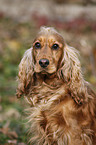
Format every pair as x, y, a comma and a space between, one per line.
49, 37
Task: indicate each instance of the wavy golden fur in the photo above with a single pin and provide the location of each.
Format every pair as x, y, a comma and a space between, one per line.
63, 107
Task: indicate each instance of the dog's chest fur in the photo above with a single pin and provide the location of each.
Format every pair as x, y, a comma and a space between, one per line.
53, 115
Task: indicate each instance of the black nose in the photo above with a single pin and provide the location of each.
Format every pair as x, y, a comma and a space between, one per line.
44, 62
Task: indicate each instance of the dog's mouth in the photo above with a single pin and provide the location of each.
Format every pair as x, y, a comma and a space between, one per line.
50, 70
45, 74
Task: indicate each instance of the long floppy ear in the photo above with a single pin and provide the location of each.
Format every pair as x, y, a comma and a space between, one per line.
25, 75
70, 72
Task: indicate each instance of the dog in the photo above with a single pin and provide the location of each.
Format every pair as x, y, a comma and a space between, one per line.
62, 104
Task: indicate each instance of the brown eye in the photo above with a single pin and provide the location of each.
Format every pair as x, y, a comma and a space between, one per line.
55, 46
37, 45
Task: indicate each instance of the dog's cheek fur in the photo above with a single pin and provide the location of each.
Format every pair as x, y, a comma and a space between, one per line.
57, 56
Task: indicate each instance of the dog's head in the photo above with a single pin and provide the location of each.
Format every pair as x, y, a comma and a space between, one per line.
48, 50
50, 55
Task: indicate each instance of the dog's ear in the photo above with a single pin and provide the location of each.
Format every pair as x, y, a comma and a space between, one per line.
25, 75
70, 72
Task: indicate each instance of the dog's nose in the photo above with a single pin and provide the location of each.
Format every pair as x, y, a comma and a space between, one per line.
44, 62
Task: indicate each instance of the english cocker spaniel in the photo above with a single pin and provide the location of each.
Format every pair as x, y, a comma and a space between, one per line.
63, 107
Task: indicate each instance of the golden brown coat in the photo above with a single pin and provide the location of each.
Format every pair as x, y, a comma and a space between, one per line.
63, 107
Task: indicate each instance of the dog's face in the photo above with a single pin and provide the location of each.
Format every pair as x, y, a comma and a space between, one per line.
47, 52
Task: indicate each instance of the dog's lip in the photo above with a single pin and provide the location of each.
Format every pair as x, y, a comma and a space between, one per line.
45, 72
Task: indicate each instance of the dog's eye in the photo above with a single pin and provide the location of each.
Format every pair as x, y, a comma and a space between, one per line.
55, 46
37, 45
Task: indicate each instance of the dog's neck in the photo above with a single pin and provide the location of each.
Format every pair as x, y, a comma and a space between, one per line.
45, 87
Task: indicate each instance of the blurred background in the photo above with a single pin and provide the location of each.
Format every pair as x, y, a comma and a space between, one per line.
19, 22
